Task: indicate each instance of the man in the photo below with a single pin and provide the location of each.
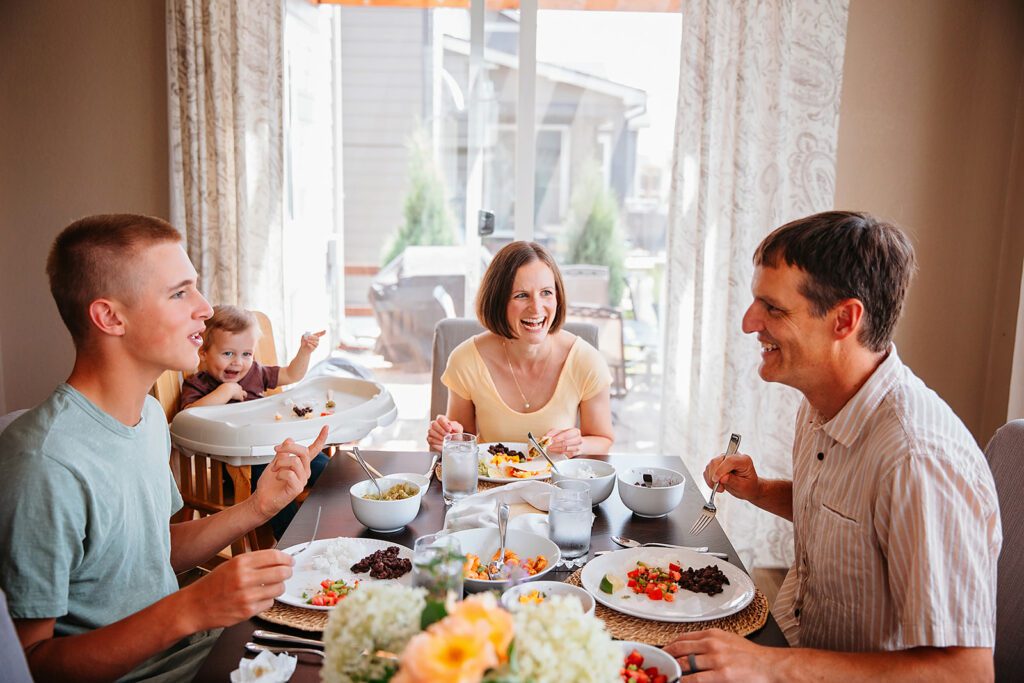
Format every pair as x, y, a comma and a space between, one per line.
87, 555
895, 515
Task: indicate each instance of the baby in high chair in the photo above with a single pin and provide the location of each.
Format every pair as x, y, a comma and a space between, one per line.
230, 374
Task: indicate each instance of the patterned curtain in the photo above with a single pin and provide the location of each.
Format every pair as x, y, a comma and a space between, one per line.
756, 137
225, 69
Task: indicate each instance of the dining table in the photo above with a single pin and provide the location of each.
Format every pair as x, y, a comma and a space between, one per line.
330, 496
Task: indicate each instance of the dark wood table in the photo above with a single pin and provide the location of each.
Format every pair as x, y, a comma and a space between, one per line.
331, 492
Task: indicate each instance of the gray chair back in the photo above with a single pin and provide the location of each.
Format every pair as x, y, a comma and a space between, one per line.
451, 332
1005, 453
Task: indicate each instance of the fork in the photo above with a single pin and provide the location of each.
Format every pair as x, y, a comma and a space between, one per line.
295, 552
709, 510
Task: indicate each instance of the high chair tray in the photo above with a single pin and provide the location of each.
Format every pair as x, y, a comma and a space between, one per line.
246, 433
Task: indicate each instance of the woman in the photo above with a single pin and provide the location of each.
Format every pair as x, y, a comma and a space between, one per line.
525, 373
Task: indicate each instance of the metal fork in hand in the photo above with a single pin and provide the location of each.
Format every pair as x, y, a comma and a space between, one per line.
296, 551
709, 510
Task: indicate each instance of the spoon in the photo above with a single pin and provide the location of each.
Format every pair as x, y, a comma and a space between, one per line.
433, 462
543, 452
495, 568
366, 468
256, 647
630, 543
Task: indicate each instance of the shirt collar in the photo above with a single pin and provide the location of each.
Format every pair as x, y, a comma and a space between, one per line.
848, 423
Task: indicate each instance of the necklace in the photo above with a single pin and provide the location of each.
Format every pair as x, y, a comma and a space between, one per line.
508, 359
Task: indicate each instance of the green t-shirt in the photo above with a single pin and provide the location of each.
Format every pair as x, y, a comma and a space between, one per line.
85, 507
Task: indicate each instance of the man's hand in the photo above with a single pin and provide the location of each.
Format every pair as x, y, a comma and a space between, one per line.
286, 475
734, 474
311, 340
721, 656
565, 441
240, 588
440, 428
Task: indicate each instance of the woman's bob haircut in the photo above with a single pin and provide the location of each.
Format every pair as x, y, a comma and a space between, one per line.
496, 287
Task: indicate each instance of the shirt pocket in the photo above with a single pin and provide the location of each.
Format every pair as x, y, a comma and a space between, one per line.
841, 551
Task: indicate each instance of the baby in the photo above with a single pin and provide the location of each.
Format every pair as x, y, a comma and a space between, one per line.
230, 373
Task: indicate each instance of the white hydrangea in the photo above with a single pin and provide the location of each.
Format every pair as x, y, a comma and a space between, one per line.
556, 641
375, 616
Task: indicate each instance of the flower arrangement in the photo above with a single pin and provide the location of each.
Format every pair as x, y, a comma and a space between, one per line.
473, 641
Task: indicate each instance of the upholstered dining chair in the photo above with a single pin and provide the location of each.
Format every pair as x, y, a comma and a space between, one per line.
1005, 453
451, 332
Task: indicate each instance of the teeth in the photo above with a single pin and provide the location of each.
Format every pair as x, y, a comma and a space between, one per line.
765, 346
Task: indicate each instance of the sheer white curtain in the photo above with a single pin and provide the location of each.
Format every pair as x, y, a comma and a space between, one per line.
226, 110
756, 138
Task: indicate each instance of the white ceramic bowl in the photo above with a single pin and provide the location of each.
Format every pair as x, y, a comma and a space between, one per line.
384, 516
510, 598
484, 543
653, 656
651, 502
601, 485
418, 479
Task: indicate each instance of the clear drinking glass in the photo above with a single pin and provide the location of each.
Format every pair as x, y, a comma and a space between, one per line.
459, 473
437, 563
570, 518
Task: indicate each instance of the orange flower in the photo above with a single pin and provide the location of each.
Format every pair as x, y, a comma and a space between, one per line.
484, 614
452, 650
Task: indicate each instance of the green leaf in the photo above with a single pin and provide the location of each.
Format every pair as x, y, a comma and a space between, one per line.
433, 612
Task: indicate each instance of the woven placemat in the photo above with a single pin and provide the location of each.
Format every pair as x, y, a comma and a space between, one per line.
296, 617
659, 633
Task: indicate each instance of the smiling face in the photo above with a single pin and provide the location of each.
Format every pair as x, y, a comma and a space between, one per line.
163, 317
229, 356
796, 346
533, 302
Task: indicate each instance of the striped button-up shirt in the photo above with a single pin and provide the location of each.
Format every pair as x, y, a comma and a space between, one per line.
896, 524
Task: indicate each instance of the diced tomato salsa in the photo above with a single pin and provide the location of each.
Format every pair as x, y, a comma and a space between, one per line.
633, 670
330, 593
654, 582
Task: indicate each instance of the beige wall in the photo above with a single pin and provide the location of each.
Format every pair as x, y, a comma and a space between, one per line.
83, 129
930, 136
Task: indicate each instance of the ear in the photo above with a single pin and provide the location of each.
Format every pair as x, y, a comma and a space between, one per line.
106, 316
848, 314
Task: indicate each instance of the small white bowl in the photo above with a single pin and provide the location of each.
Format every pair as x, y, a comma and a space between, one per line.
653, 656
383, 516
651, 502
510, 598
484, 543
601, 485
413, 478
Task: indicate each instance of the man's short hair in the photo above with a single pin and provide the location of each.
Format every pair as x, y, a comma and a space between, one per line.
229, 318
847, 255
92, 259
496, 286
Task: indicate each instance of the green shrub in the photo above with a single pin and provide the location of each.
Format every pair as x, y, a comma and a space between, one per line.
595, 238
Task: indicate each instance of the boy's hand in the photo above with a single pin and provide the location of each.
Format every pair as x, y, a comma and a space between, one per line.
286, 475
311, 340
231, 391
240, 588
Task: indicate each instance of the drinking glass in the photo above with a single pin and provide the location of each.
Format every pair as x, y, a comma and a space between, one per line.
459, 464
437, 563
570, 518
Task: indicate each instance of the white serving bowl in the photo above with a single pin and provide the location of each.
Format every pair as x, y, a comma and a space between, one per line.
601, 485
510, 598
651, 502
384, 516
484, 543
418, 479
653, 656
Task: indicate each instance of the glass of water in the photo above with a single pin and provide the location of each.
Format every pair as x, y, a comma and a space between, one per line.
437, 562
459, 467
570, 518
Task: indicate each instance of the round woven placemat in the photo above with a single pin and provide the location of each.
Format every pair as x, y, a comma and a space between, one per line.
296, 617
658, 633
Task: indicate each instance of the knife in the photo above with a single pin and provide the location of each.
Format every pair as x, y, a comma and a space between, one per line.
630, 543
285, 638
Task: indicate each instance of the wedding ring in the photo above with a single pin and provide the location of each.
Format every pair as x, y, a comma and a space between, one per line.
692, 659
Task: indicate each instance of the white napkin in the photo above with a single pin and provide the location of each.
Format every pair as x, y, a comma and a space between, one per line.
265, 668
479, 510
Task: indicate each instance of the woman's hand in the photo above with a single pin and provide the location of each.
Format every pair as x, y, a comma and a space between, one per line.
567, 442
440, 428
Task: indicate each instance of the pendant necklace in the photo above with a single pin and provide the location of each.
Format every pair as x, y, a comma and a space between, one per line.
508, 359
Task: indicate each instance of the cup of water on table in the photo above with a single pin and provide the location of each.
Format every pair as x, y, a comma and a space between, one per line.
570, 518
437, 563
459, 468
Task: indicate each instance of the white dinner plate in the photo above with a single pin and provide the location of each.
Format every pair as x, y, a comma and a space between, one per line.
687, 606
310, 568
523, 448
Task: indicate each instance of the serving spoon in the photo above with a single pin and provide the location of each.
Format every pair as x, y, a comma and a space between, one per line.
496, 567
366, 468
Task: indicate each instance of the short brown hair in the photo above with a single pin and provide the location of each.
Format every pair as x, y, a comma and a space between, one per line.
230, 319
90, 259
847, 255
496, 286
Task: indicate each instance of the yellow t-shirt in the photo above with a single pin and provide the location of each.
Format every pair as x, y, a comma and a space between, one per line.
583, 376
